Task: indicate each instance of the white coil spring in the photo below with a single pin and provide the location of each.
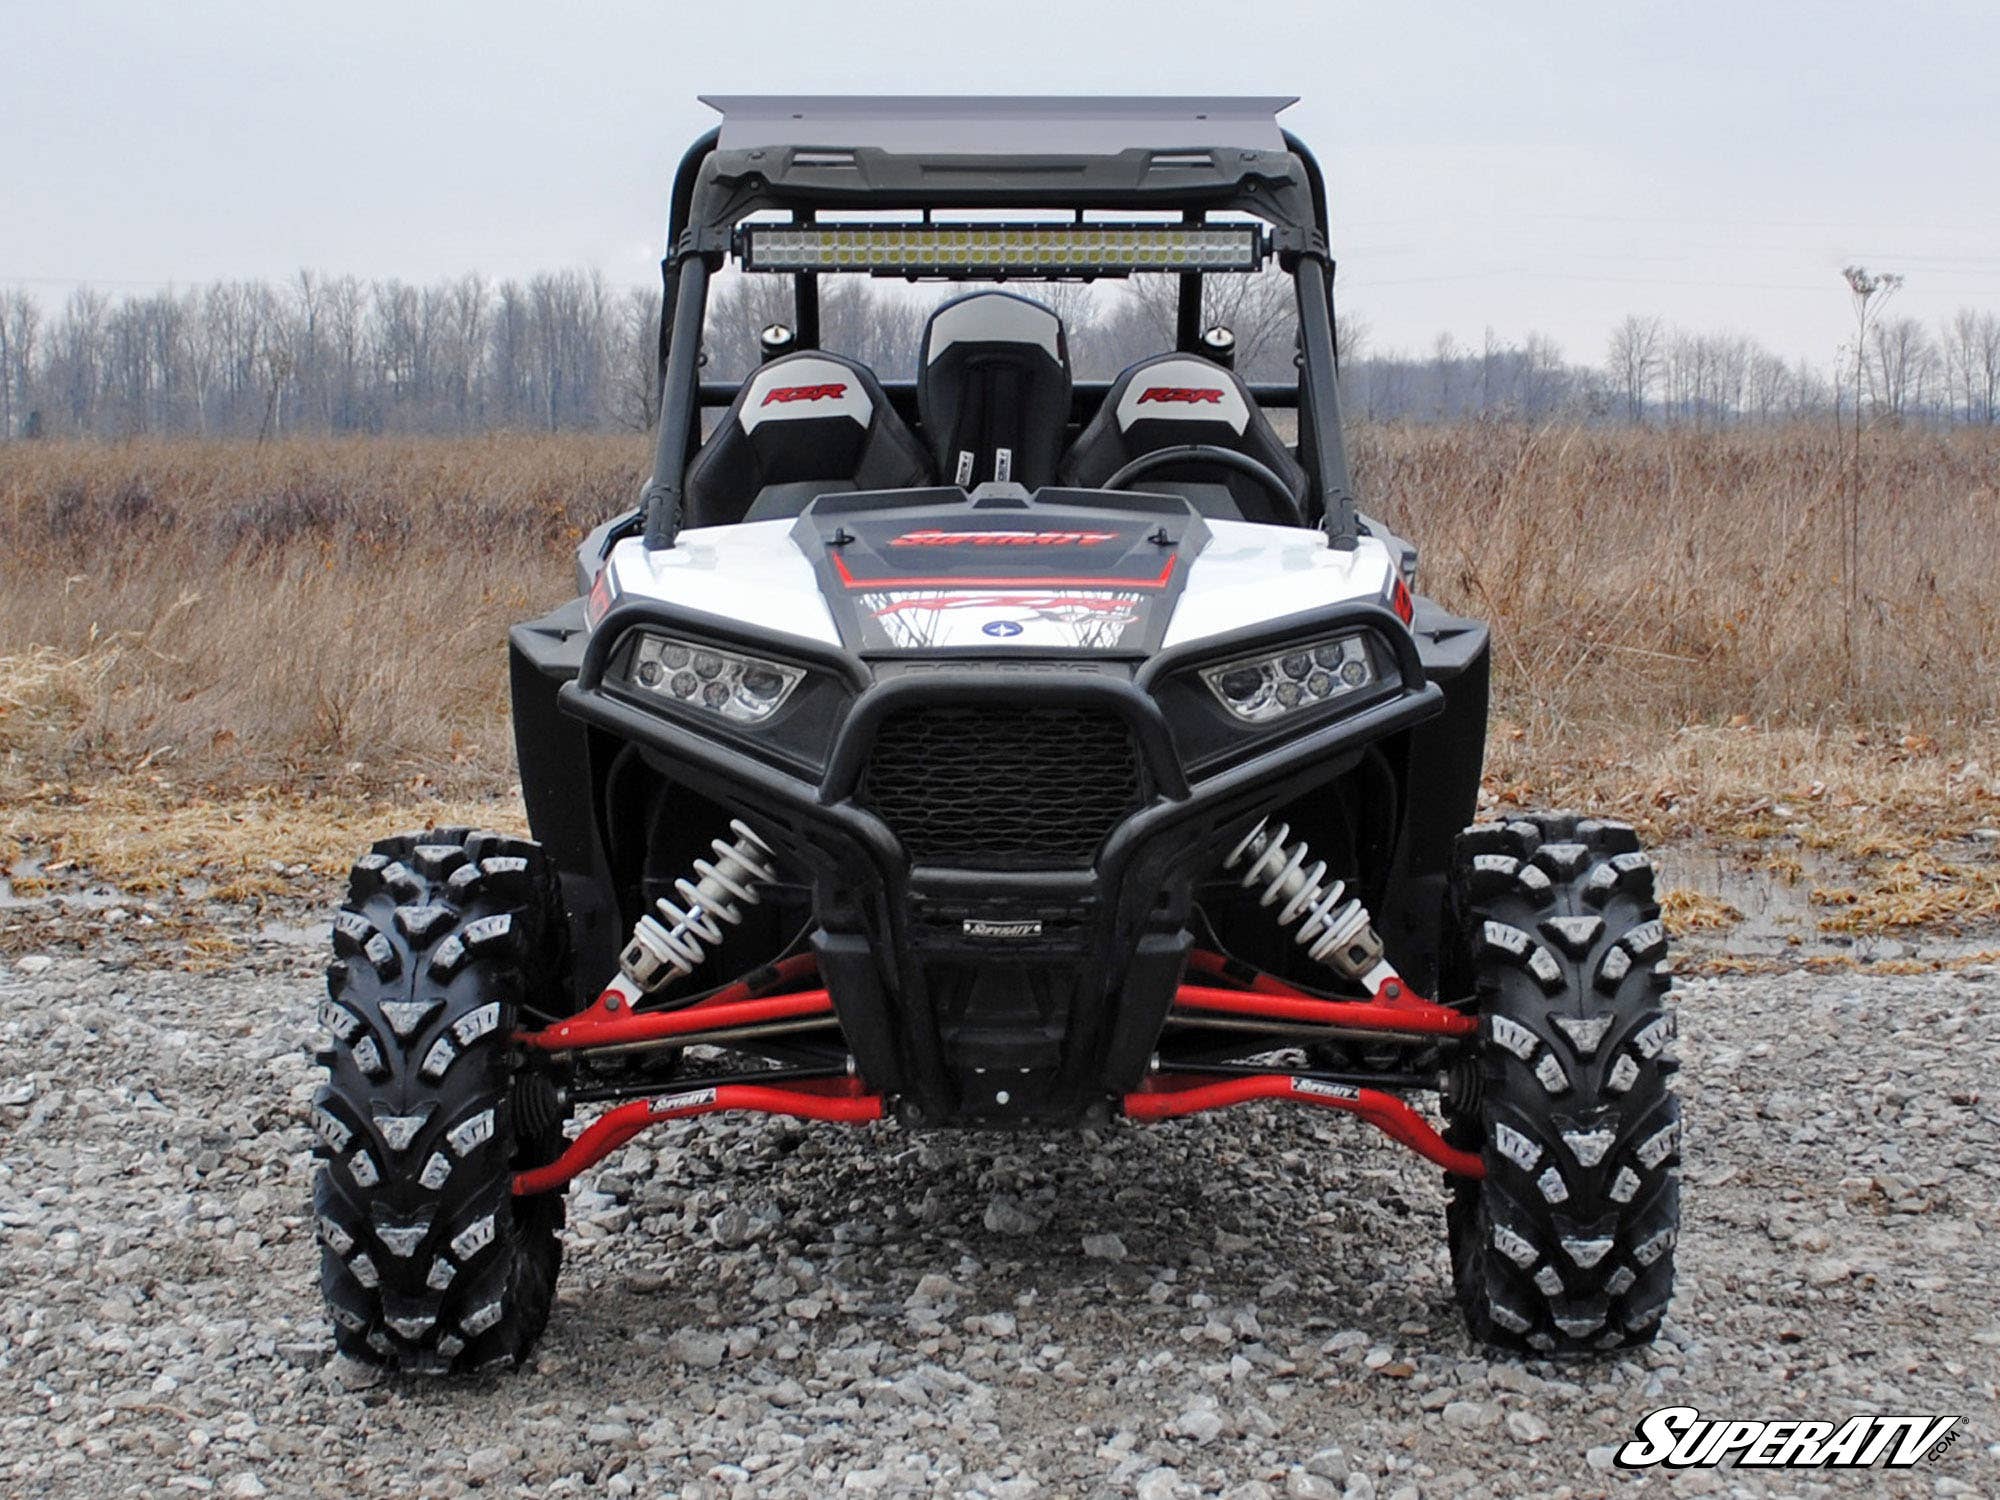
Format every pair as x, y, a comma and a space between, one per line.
1329, 922
665, 950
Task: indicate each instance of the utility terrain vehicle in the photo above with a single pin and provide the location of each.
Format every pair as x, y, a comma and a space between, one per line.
996, 749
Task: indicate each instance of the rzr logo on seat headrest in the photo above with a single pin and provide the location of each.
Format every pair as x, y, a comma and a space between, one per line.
804, 393
1188, 395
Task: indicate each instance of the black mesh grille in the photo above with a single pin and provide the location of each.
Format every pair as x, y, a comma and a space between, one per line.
1002, 787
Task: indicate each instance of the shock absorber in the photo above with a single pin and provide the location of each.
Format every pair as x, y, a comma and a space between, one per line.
669, 945
1334, 928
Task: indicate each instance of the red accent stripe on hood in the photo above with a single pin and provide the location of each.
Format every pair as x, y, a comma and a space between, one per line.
902, 581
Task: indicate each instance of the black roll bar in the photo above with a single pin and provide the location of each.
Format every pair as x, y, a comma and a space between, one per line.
680, 209
685, 275
1319, 390
679, 419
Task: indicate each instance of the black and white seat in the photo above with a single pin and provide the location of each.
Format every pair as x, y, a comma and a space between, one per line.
1174, 399
993, 389
806, 425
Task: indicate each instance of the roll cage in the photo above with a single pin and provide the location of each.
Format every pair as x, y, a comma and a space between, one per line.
801, 157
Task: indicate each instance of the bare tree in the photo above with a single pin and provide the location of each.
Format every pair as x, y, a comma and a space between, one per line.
1989, 367
1958, 361
638, 378
465, 348
1634, 362
1902, 357
1444, 365
739, 305
77, 356
1769, 385
20, 319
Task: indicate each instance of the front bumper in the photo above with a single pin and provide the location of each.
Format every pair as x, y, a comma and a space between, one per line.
1000, 996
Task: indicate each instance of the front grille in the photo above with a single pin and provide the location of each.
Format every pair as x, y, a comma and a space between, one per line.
1002, 787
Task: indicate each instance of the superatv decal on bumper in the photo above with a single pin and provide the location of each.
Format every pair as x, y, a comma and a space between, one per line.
1002, 855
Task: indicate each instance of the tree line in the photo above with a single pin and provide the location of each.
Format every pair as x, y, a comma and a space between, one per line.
333, 354
566, 351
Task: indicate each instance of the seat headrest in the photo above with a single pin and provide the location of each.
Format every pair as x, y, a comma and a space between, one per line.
1181, 388
1172, 399
993, 389
808, 419
805, 387
994, 318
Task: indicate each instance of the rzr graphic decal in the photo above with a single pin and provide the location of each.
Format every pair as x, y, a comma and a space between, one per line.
1186, 395
919, 620
830, 392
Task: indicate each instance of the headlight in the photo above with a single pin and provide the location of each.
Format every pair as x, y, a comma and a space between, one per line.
743, 689
1258, 689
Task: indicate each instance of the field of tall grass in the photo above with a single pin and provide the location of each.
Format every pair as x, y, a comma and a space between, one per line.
314, 609
1675, 632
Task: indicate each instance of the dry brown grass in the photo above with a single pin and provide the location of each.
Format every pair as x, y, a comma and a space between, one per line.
312, 609
211, 651
1686, 578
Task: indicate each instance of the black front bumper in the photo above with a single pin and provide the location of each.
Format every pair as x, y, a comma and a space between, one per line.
1000, 996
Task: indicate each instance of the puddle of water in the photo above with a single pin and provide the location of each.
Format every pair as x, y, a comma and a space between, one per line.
31, 866
98, 898
1779, 920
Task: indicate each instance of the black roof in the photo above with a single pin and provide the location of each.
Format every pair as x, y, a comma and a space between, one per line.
806, 153
1000, 125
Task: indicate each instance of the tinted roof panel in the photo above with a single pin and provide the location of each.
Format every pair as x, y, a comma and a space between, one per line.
999, 124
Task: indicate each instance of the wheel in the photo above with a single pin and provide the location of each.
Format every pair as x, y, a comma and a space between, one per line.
428, 1261
1567, 1244
1208, 453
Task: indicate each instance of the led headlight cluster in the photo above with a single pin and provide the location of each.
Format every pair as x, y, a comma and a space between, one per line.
744, 689
1258, 689
1015, 249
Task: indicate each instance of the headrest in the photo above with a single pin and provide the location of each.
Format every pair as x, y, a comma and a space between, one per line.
1180, 388
993, 318
801, 387
1173, 399
809, 421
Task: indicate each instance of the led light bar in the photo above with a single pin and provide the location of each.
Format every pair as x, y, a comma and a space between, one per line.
1002, 249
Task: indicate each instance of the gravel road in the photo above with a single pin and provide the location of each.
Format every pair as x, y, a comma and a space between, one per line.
1253, 1304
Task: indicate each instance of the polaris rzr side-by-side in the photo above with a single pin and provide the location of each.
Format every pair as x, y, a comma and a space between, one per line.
996, 749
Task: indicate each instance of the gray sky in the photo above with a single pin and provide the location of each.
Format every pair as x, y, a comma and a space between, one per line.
1549, 166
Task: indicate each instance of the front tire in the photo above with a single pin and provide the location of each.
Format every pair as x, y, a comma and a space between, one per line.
428, 1261
1567, 1244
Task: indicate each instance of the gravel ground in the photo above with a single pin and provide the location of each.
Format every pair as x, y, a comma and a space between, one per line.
1252, 1304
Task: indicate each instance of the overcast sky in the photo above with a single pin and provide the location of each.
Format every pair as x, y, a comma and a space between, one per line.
1541, 167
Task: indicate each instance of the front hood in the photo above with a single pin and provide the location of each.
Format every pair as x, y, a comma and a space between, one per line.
931, 571
1003, 579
